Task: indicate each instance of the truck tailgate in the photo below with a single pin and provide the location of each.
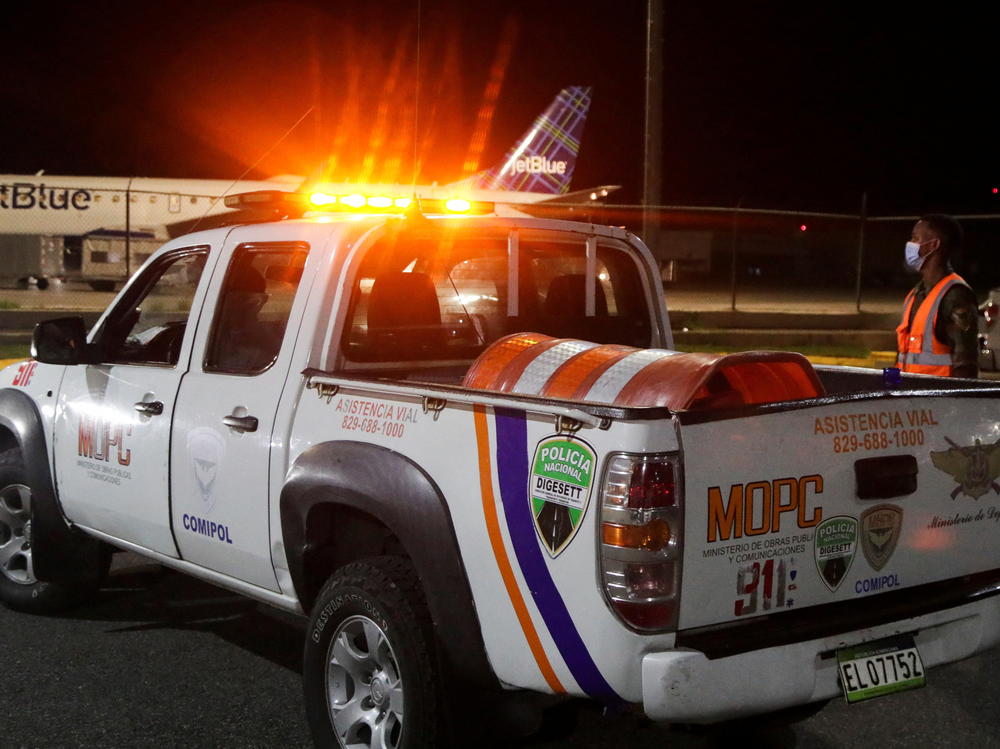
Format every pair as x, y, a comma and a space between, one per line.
836, 502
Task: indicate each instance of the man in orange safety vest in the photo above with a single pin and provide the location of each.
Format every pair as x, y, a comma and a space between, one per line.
937, 334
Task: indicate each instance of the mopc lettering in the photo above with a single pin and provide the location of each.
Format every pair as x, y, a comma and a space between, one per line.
24, 195
756, 508
99, 438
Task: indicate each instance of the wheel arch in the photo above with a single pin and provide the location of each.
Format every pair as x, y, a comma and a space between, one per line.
61, 553
380, 501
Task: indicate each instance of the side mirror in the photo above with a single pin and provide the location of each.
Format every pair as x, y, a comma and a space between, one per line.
60, 341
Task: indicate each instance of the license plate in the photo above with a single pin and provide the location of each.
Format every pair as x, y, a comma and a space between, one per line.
881, 667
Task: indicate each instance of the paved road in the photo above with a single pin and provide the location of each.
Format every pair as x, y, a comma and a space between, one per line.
163, 660
61, 296
75, 295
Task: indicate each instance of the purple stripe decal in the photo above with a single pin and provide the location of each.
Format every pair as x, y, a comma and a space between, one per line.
512, 473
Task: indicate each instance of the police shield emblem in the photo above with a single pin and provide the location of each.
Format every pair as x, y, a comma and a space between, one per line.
834, 546
559, 490
206, 449
880, 527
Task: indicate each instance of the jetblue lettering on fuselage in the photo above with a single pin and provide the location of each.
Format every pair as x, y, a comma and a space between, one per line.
214, 530
24, 196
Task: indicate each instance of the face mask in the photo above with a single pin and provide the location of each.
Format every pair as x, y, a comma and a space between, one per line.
913, 259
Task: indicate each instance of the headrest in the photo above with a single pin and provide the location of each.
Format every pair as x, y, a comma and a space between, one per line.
567, 297
403, 300
247, 279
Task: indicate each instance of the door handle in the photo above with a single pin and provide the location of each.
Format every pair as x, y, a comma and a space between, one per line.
241, 423
149, 408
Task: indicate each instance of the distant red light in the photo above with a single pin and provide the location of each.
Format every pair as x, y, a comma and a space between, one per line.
996, 190
803, 227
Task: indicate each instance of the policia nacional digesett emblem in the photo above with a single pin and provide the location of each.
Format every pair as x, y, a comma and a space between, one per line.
835, 543
559, 489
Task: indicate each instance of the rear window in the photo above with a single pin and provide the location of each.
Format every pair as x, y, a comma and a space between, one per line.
446, 298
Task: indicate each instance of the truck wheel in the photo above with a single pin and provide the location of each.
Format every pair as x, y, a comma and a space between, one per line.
19, 588
368, 670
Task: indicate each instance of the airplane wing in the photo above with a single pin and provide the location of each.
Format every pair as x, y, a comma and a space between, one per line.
589, 195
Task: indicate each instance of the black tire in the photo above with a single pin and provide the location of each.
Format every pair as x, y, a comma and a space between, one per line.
19, 588
102, 285
559, 722
371, 617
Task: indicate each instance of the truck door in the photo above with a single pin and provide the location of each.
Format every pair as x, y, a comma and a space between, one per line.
112, 426
225, 411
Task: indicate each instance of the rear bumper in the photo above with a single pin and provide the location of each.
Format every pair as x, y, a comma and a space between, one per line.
686, 686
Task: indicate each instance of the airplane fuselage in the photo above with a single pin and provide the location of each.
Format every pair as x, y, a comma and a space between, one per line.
73, 206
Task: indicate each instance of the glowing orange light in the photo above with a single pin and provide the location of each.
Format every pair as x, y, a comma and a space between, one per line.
380, 201
322, 198
650, 537
457, 205
353, 201
402, 202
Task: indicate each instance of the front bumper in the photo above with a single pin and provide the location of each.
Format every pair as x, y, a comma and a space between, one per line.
686, 686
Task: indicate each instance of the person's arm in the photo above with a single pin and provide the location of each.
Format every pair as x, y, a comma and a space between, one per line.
957, 326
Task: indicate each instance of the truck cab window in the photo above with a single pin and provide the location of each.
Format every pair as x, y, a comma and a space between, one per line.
254, 304
445, 298
557, 287
147, 326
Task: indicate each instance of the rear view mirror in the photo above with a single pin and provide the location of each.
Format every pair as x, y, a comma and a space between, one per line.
60, 341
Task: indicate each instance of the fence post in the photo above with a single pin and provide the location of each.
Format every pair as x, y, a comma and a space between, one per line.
652, 177
732, 270
861, 249
128, 229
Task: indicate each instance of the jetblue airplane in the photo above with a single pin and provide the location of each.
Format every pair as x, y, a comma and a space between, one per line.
538, 168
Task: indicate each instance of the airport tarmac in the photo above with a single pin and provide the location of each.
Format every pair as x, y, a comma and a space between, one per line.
679, 297
784, 299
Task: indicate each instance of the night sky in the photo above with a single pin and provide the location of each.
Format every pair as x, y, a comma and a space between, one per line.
782, 106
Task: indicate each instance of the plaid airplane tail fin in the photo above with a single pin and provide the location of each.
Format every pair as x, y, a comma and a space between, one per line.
543, 158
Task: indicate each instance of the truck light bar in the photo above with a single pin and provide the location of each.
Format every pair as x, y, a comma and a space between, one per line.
297, 203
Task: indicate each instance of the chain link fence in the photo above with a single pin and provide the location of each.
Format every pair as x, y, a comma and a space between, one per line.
740, 255
71, 247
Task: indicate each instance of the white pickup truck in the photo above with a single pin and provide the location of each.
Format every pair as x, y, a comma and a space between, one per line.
463, 447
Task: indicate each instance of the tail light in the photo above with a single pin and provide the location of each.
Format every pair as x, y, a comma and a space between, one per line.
641, 538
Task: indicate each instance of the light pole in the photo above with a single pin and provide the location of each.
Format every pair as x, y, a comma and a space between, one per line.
653, 143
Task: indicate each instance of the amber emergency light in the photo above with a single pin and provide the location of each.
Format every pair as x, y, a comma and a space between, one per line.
300, 203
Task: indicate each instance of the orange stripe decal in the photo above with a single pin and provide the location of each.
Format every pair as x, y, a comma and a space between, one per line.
503, 561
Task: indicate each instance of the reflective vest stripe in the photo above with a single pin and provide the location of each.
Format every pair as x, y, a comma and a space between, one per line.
929, 340
921, 358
